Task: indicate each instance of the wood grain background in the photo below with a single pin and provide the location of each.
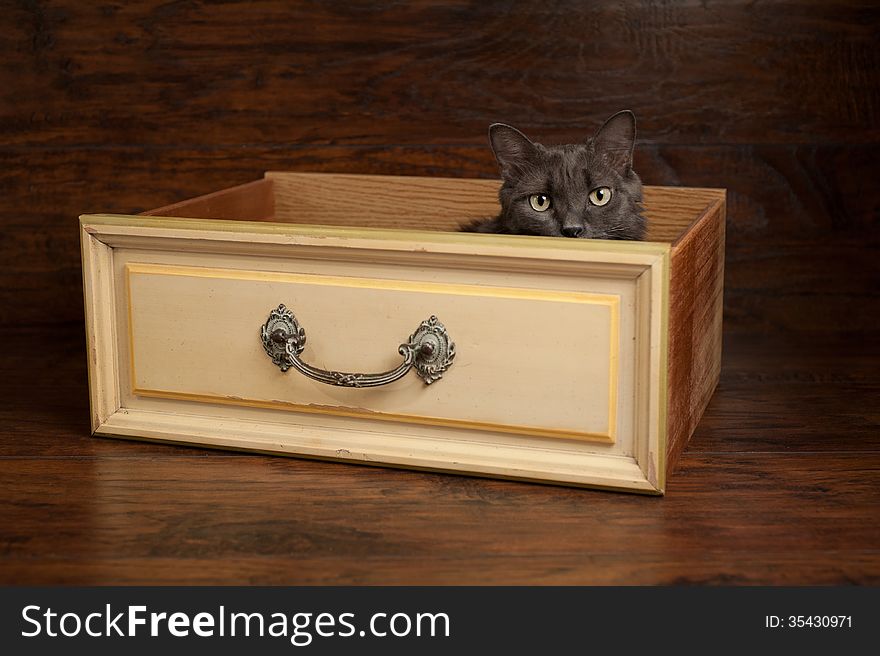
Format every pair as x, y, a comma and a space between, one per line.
120, 107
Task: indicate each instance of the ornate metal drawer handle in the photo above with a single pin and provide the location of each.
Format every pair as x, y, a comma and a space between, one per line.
428, 349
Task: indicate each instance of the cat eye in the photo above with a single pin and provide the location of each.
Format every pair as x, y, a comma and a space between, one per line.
539, 202
600, 196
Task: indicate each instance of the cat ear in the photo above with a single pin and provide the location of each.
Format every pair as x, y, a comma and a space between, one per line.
614, 141
512, 148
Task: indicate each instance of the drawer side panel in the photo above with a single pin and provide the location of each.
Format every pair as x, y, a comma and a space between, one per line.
696, 289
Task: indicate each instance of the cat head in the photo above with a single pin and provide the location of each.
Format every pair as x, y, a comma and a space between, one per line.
587, 190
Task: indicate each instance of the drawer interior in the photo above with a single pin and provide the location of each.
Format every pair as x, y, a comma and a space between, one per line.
405, 202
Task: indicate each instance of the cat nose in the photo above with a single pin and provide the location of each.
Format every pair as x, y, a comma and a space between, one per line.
573, 231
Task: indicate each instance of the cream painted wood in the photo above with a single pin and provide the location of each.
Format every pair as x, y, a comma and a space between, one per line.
101, 335
283, 256
194, 335
450, 271
466, 454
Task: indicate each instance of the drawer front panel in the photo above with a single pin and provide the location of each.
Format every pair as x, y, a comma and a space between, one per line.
559, 374
528, 361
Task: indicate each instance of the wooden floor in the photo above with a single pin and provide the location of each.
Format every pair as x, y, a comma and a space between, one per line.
780, 485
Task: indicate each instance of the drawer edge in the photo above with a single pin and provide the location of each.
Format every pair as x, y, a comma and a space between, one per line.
461, 456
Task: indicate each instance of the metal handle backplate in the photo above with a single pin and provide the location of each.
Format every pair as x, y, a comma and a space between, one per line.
428, 350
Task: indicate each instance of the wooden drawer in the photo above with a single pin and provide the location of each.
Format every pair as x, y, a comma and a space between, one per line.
573, 361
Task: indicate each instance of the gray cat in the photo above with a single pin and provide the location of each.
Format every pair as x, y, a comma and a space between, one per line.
586, 190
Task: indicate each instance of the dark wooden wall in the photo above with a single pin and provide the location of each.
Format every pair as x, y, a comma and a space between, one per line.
118, 107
